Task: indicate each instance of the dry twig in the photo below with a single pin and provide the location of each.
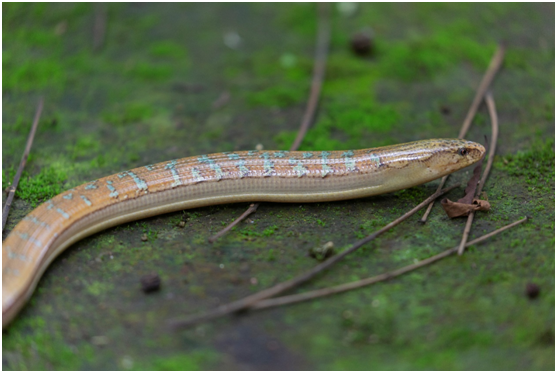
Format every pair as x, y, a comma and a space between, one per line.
494, 134
323, 36
268, 303
99, 28
13, 187
282, 287
494, 66
246, 213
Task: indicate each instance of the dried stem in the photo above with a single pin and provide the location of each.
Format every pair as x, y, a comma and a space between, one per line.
323, 36
279, 288
246, 213
268, 303
494, 134
494, 66
99, 28
13, 187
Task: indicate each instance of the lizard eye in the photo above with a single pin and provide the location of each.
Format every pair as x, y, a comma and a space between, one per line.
462, 151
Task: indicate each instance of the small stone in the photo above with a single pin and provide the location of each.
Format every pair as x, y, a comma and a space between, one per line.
61, 28
232, 40
182, 224
99, 340
362, 43
322, 252
150, 282
259, 147
253, 281
347, 9
532, 290
126, 362
445, 110
144, 237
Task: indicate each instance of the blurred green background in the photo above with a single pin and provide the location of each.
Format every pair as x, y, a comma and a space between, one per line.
174, 80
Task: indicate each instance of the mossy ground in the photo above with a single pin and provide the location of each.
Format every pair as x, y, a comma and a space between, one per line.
148, 96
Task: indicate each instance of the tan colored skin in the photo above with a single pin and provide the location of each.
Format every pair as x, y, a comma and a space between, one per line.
274, 176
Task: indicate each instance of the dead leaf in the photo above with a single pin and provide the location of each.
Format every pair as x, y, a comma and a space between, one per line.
456, 209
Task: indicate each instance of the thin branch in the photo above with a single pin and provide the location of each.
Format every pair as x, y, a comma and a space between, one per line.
494, 134
279, 288
281, 301
99, 28
13, 187
494, 66
323, 36
246, 213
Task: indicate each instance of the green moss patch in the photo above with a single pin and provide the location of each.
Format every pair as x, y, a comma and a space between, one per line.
46, 184
535, 166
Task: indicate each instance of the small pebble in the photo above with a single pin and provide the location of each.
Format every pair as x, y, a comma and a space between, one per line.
362, 43
347, 9
150, 282
259, 147
445, 109
182, 224
99, 340
232, 40
144, 237
322, 252
127, 362
532, 290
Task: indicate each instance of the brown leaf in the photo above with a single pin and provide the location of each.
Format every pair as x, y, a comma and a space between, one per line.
473, 182
456, 209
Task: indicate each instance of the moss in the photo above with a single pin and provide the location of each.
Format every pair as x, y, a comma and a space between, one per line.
168, 49
84, 147
98, 288
150, 72
130, 113
270, 230
425, 56
277, 96
535, 166
46, 184
26, 76
43, 349
193, 360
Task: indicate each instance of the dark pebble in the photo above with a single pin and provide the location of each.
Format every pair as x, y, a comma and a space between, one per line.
445, 109
532, 290
150, 282
362, 44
